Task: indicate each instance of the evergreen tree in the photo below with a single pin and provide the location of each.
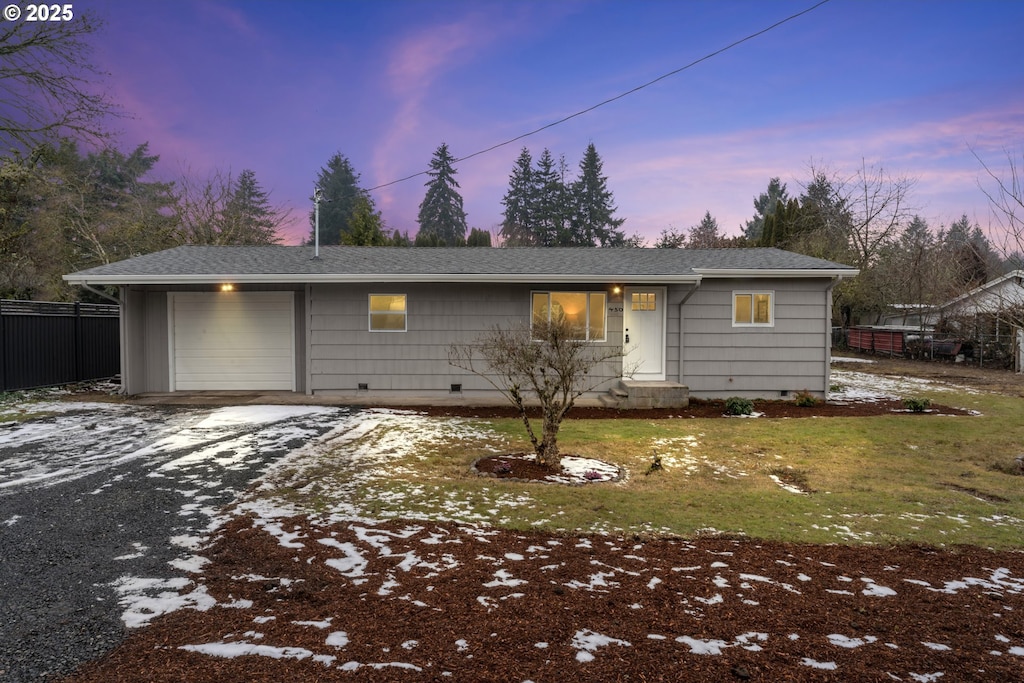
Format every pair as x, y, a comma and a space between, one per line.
425, 239
248, 217
593, 208
549, 210
61, 211
671, 238
706, 235
520, 204
782, 225
764, 206
400, 239
441, 213
339, 183
821, 226
108, 211
966, 249
478, 238
366, 226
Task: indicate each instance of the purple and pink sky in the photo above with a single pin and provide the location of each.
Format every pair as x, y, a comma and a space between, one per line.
280, 86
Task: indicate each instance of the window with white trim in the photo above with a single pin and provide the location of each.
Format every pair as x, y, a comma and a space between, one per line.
387, 313
585, 312
754, 309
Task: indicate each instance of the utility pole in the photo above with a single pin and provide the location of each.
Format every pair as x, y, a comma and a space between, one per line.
318, 195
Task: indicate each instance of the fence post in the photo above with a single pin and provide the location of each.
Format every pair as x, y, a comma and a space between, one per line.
78, 342
3, 349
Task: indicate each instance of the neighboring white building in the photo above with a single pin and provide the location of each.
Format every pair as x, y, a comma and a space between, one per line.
994, 311
990, 299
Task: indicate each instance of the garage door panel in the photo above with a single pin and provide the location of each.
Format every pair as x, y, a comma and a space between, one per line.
233, 340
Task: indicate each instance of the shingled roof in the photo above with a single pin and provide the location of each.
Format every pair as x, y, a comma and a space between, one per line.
288, 264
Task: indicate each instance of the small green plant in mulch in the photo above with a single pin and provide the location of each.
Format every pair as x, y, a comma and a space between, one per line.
805, 399
738, 406
916, 404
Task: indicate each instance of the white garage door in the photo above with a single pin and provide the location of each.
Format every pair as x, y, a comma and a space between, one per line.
232, 340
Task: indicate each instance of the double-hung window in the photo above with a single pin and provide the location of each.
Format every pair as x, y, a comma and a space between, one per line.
753, 309
584, 312
387, 313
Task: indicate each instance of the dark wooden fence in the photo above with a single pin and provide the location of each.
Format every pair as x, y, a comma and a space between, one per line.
45, 344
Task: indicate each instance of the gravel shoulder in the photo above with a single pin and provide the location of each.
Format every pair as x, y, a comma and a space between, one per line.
104, 504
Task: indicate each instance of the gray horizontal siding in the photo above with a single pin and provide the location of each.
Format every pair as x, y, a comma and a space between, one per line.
719, 359
344, 353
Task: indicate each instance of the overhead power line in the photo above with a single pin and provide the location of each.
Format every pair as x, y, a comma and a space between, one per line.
619, 96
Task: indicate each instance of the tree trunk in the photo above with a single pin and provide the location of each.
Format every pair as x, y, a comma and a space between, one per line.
547, 450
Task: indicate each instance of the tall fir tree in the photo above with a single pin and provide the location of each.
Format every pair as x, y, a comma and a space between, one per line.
593, 207
520, 204
339, 183
764, 206
549, 210
441, 214
248, 217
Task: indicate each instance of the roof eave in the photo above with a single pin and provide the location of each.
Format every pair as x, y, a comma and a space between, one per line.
344, 278
777, 272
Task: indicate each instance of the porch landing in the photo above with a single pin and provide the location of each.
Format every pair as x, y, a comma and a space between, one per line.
629, 394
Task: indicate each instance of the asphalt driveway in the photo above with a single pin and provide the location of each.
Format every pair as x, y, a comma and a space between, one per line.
102, 507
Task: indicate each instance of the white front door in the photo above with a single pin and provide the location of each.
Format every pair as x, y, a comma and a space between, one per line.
643, 340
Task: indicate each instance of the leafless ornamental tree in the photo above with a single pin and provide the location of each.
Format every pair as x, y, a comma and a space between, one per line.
549, 364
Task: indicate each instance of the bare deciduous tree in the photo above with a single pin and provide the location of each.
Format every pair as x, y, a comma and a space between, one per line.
878, 205
549, 364
1005, 193
222, 210
47, 81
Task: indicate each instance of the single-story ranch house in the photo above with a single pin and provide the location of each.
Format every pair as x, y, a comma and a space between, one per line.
376, 323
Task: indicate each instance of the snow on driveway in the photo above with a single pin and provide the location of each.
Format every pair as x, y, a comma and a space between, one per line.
102, 500
82, 439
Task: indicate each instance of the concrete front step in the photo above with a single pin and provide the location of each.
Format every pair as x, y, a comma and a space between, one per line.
629, 394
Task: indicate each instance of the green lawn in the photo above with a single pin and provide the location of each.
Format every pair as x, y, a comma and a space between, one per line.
893, 479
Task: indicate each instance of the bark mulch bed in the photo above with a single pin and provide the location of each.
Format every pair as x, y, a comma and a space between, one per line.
418, 601
705, 409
